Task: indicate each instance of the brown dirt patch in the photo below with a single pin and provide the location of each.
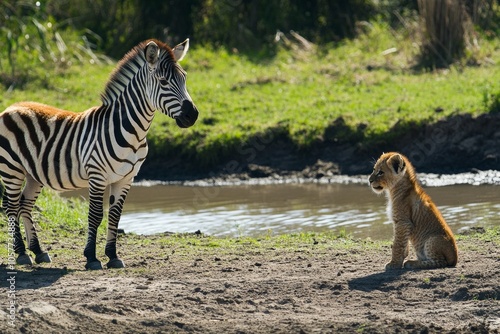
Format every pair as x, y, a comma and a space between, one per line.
311, 289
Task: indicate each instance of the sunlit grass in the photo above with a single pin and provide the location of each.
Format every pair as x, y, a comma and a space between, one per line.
490, 235
76, 89
304, 94
65, 213
297, 94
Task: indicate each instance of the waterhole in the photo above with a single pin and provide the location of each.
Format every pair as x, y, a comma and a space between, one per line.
259, 210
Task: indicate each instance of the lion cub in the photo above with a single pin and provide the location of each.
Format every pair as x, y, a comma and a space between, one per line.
416, 219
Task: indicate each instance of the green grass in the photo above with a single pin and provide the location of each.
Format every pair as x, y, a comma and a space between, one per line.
489, 236
298, 94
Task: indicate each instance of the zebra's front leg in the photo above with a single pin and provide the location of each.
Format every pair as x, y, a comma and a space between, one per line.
117, 196
96, 195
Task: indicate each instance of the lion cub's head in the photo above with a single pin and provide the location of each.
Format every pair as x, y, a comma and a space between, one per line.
389, 169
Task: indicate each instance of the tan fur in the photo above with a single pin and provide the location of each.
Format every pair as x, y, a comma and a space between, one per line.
416, 219
43, 109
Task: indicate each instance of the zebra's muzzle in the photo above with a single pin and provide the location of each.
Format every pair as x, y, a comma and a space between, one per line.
188, 115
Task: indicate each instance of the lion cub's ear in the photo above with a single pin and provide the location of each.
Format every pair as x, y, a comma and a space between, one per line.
397, 163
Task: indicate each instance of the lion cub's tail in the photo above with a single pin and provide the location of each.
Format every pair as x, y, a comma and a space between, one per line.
429, 264
440, 252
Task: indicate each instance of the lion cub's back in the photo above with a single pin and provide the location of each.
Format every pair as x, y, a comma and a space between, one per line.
430, 226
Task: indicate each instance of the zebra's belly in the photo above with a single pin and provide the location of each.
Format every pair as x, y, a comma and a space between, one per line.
125, 171
126, 164
66, 180
61, 179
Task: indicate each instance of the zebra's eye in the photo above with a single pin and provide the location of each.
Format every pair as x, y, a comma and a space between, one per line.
163, 82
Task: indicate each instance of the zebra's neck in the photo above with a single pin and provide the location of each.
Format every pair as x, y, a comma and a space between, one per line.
130, 70
125, 96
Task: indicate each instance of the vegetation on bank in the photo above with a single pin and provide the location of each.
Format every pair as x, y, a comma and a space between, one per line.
388, 73
359, 90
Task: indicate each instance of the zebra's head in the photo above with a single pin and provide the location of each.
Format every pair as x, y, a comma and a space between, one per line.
168, 82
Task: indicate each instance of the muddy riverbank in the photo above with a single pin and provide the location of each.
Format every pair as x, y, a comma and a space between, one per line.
457, 144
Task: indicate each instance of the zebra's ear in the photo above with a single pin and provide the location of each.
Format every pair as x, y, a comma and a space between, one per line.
180, 50
152, 52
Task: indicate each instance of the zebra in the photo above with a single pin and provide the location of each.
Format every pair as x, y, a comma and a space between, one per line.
101, 147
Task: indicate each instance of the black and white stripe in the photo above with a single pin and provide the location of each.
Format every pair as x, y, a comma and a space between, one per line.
103, 146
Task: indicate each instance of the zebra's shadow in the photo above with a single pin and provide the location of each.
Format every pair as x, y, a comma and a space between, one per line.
32, 278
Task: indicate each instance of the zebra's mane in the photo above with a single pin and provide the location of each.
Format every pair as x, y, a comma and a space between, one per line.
128, 66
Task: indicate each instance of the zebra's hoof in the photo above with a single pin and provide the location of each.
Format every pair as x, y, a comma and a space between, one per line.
43, 257
115, 263
24, 259
94, 265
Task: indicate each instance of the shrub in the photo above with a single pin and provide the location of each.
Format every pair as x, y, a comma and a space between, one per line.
494, 103
33, 42
446, 25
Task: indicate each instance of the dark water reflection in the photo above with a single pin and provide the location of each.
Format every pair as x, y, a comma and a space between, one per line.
256, 210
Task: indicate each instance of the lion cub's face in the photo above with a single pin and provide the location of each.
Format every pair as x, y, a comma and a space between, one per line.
388, 170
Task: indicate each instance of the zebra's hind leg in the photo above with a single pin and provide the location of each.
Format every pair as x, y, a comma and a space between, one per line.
96, 195
118, 193
11, 201
30, 193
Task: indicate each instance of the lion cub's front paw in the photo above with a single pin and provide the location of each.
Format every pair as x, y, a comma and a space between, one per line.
393, 265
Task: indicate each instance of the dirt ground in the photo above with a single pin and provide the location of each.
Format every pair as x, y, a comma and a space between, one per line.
259, 290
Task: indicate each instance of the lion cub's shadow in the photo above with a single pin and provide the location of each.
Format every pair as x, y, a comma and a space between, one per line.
377, 281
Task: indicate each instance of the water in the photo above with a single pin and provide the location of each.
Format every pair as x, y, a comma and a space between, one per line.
257, 210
